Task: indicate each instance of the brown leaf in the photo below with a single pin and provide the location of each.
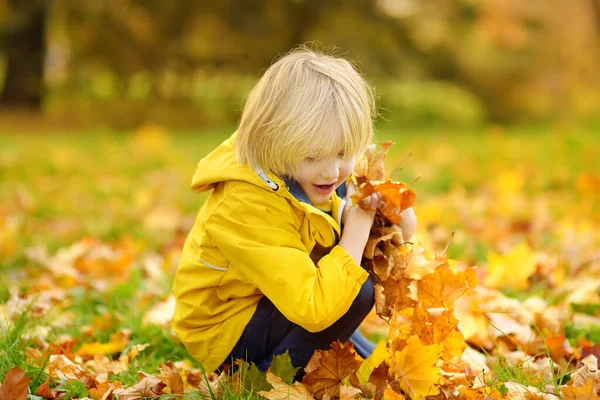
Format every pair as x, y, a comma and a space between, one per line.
149, 386
283, 391
588, 371
15, 385
171, 377
327, 369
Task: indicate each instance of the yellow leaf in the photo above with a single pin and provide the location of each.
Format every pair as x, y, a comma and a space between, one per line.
511, 270
442, 288
373, 361
283, 391
90, 349
389, 394
415, 368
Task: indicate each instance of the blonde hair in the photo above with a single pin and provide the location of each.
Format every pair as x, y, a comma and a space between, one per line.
306, 105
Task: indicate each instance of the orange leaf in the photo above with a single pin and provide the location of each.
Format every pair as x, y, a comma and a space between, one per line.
389, 394
15, 385
442, 288
45, 391
396, 197
585, 392
326, 369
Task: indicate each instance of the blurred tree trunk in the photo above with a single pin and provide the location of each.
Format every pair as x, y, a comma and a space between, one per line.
25, 51
596, 5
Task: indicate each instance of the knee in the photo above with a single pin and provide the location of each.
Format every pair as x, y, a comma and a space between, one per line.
365, 300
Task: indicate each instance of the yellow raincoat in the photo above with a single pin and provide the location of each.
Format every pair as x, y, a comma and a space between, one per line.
253, 238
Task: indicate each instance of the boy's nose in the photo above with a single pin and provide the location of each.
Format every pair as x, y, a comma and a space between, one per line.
331, 172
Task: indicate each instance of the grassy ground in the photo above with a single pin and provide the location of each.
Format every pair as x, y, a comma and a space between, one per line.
91, 223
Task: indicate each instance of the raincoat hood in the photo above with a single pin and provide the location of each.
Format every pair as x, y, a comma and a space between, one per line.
221, 165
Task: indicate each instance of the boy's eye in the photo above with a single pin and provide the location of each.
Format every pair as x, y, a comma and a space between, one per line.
310, 159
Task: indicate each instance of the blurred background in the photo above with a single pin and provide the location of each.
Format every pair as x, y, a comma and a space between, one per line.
121, 63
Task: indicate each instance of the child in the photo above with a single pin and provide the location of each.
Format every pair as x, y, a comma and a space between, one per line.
267, 266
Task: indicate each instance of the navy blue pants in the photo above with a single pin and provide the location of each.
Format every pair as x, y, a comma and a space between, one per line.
269, 334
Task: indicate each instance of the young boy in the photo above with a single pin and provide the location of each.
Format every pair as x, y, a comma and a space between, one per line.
267, 266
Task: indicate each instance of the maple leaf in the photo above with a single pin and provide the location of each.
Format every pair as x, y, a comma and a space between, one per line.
439, 328
282, 367
415, 368
511, 270
585, 392
442, 287
328, 368
284, 391
15, 385
392, 293
395, 197
418, 266
171, 377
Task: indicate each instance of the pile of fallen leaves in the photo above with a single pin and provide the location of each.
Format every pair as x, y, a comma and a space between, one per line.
450, 332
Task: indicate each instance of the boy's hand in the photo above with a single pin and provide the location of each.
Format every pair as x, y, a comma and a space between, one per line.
409, 218
408, 223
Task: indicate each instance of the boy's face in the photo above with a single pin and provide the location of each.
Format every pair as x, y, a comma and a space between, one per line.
320, 178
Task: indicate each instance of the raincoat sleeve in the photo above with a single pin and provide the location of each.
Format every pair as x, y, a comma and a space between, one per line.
258, 235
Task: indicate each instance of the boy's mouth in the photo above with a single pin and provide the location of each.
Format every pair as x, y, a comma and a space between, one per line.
325, 189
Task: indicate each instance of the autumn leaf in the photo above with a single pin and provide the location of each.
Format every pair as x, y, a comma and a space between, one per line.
585, 392
15, 385
284, 391
45, 391
395, 197
418, 266
511, 270
171, 377
282, 367
328, 368
149, 386
588, 371
415, 368
390, 394
442, 287
376, 162
379, 355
